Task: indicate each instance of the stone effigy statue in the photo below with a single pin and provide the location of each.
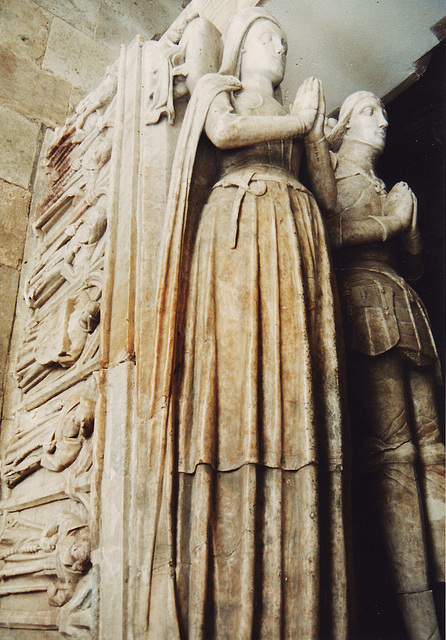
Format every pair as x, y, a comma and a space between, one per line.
243, 504
174, 448
393, 360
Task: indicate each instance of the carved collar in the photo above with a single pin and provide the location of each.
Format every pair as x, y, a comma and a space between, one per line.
347, 169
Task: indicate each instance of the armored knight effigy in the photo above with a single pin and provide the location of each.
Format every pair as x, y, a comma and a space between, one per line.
393, 365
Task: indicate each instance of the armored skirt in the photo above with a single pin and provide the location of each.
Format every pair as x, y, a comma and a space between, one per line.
259, 519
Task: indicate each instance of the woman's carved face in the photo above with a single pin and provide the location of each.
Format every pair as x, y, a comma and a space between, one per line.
264, 52
368, 123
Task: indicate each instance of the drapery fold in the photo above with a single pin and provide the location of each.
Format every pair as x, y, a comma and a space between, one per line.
156, 492
241, 511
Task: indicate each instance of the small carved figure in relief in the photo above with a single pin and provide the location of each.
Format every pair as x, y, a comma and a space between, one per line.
57, 449
88, 131
61, 337
179, 61
98, 99
94, 103
79, 249
75, 426
61, 549
392, 359
68, 538
248, 538
94, 159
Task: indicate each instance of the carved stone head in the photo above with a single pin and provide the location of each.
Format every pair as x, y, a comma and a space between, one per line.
266, 41
363, 118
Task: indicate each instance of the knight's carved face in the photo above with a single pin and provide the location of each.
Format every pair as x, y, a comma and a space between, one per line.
264, 51
368, 123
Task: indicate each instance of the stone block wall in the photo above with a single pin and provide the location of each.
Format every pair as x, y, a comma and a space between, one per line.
52, 52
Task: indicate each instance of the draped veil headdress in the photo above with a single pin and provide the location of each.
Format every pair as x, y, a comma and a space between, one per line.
348, 106
235, 34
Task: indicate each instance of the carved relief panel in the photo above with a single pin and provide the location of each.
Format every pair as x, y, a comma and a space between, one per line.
47, 466
74, 332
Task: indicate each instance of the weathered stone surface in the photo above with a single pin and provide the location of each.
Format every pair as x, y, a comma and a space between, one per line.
152, 16
9, 279
76, 57
14, 205
76, 96
80, 14
24, 28
116, 510
219, 12
114, 29
18, 141
29, 634
35, 93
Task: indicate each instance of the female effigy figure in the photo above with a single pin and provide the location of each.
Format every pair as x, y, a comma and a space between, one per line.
393, 362
243, 511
